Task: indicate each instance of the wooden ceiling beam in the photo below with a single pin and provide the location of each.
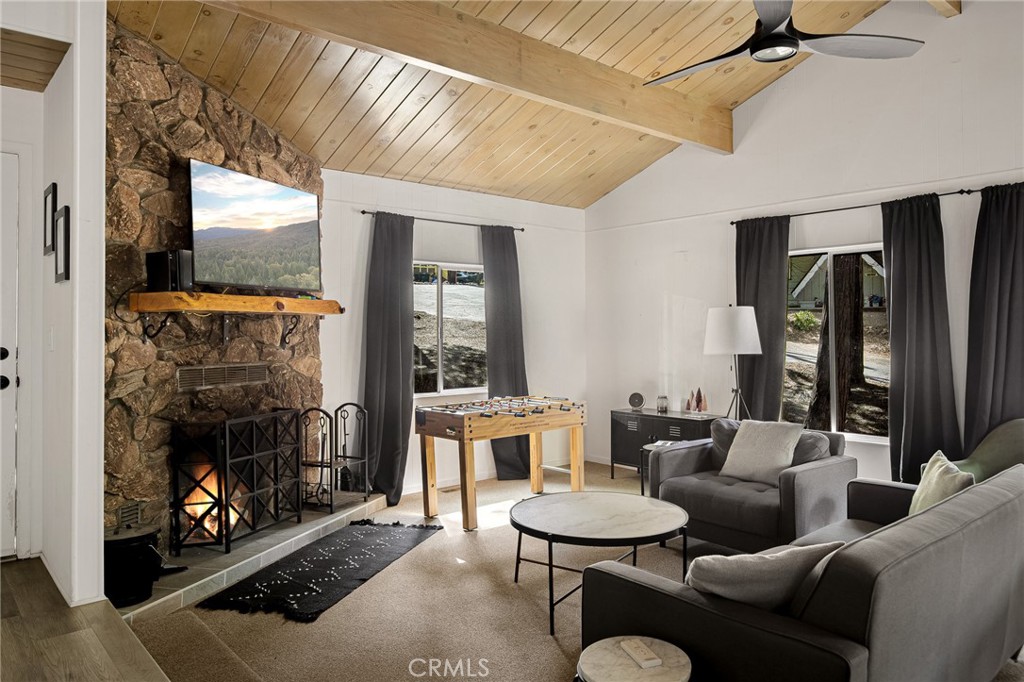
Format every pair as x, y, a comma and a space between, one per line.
947, 8
439, 38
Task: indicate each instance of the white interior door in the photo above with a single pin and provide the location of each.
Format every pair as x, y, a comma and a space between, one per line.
8, 346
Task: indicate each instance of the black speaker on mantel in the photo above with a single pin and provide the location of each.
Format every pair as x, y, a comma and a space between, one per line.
169, 270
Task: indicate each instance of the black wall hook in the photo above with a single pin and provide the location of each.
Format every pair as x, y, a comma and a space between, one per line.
289, 330
151, 332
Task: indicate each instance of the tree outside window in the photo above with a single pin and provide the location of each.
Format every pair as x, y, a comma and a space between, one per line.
837, 343
448, 307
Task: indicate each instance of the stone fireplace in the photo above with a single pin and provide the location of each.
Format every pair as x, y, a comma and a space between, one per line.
158, 117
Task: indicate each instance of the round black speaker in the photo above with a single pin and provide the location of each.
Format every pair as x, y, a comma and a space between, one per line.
636, 400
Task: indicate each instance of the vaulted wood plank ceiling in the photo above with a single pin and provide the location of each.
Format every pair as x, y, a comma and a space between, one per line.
363, 112
28, 62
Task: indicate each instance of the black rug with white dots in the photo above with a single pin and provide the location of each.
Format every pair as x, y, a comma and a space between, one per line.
311, 580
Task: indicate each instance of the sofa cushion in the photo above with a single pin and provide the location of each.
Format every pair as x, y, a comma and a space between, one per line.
846, 530
726, 501
941, 479
723, 431
767, 580
761, 450
812, 446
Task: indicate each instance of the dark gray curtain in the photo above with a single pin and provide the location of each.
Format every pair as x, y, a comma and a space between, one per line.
506, 363
995, 346
387, 384
762, 265
922, 411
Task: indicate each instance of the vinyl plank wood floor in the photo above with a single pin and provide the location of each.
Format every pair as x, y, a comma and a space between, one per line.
42, 638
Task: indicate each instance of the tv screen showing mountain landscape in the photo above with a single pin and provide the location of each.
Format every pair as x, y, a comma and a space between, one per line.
248, 232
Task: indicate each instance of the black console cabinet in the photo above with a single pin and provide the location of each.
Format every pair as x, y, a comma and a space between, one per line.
632, 429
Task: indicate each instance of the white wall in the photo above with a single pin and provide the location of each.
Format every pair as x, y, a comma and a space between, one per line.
47, 19
551, 265
832, 133
70, 327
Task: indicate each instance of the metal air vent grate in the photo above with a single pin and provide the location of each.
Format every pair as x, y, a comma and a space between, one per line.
207, 376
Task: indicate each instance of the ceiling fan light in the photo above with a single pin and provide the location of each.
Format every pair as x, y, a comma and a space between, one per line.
774, 48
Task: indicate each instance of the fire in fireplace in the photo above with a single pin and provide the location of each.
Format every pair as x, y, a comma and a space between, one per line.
233, 478
202, 505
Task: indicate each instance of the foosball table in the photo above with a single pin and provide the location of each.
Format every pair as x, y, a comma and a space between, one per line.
470, 422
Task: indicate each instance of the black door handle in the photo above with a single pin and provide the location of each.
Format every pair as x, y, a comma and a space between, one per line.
4, 382
3, 353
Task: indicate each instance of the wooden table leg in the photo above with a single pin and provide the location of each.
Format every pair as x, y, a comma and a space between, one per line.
467, 472
576, 458
429, 476
536, 460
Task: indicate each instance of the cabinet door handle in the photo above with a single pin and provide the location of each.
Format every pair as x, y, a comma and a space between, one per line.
4, 382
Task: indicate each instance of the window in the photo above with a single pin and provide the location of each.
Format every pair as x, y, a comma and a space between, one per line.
837, 301
448, 306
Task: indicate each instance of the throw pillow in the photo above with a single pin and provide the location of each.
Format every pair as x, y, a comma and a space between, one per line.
941, 479
723, 431
767, 581
811, 446
761, 450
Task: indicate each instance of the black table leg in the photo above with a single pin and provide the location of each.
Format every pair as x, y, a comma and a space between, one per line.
551, 587
685, 552
519, 552
643, 451
634, 555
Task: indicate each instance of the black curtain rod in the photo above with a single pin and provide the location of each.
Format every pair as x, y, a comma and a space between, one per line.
851, 208
448, 222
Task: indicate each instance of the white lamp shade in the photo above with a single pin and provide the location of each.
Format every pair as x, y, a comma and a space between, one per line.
732, 331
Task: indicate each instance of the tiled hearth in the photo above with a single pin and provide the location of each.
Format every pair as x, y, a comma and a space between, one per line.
210, 569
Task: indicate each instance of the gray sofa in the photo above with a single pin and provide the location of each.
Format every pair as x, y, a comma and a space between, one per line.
748, 515
934, 596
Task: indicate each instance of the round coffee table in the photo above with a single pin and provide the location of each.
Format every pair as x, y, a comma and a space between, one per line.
605, 661
593, 519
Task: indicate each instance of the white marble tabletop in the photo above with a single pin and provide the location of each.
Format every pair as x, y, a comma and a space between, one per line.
605, 661
601, 517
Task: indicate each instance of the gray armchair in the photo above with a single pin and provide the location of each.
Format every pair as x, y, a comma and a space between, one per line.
752, 516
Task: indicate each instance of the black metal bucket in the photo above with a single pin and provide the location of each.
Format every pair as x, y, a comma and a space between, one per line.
131, 565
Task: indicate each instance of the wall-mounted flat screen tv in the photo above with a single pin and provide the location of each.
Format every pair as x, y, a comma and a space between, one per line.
251, 233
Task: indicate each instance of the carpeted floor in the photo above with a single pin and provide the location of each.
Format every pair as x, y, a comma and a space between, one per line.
452, 597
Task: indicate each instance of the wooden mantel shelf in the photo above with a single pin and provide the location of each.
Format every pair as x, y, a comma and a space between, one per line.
189, 302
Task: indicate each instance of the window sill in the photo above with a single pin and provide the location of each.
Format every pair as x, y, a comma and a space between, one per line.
864, 438
462, 394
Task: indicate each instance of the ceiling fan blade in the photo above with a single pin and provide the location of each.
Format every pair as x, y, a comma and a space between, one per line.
772, 13
860, 46
683, 73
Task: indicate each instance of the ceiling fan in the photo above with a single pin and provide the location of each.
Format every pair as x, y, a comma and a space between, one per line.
776, 39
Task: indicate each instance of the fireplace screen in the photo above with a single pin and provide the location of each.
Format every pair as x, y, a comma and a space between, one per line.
233, 478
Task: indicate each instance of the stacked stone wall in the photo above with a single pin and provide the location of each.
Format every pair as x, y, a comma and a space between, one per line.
158, 117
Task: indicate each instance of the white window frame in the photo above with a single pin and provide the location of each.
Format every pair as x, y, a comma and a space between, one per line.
833, 397
441, 266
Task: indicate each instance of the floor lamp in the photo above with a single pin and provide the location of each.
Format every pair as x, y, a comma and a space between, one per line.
733, 331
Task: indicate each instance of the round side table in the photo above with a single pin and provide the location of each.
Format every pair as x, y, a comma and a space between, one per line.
605, 661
